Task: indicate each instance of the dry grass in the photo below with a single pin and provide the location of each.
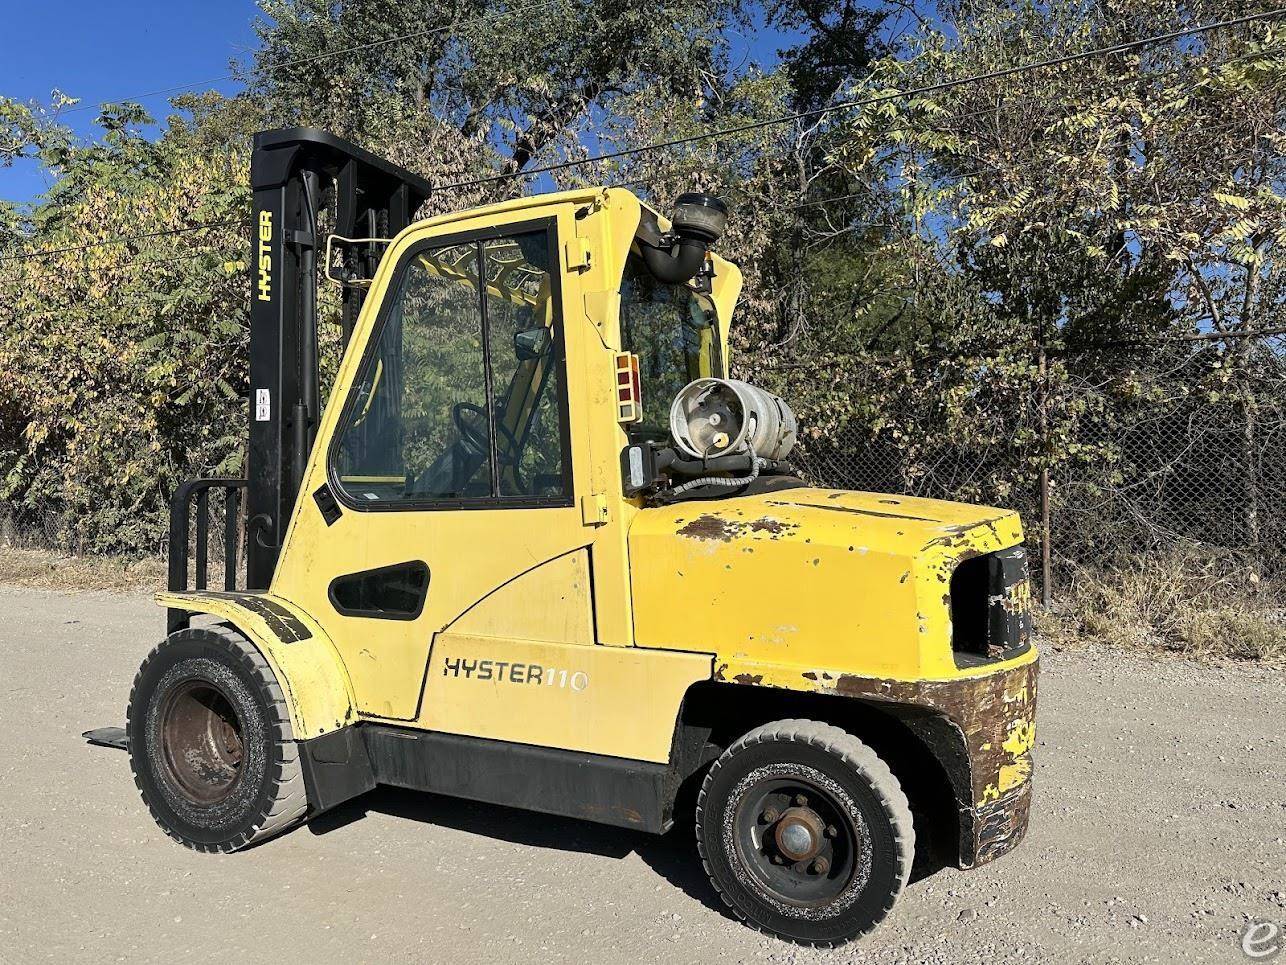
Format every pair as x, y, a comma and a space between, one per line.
1196, 603
51, 571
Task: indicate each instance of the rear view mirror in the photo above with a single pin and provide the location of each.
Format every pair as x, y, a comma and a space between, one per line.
531, 344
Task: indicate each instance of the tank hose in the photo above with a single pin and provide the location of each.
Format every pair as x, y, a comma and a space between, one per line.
755, 465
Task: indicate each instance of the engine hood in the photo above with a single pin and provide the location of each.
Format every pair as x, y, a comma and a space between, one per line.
816, 579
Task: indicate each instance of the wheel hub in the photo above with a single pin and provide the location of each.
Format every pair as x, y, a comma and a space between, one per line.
796, 839
799, 834
201, 742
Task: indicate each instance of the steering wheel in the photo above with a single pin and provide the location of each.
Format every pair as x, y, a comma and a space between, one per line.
474, 435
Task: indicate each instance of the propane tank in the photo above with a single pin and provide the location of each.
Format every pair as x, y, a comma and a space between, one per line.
726, 417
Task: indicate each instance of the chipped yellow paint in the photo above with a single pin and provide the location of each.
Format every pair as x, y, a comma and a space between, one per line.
312, 675
1019, 741
1021, 597
1011, 775
1022, 738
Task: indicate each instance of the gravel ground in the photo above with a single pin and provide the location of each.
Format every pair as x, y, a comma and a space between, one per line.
1158, 831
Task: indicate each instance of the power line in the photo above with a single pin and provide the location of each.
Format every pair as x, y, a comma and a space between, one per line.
312, 58
972, 79
807, 203
943, 123
879, 98
1030, 154
123, 239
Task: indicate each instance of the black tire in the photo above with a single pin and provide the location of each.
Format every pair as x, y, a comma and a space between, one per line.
211, 745
855, 826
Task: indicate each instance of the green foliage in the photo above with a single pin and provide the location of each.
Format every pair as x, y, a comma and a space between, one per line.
122, 367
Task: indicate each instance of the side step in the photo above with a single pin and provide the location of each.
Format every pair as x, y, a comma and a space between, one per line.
593, 787
108, 737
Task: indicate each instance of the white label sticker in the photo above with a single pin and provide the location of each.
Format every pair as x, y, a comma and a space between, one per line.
263, 405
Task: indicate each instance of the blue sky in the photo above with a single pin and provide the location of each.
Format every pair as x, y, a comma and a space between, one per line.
117, 49
108, 50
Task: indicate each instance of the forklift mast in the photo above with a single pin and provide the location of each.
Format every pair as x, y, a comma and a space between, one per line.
297, 175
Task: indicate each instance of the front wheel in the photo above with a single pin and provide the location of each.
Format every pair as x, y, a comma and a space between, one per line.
211, 745
805, 832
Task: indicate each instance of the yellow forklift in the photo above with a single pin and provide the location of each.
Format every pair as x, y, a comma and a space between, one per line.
539, 550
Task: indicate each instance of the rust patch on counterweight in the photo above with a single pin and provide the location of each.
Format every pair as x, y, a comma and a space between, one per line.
716, 528
995, 717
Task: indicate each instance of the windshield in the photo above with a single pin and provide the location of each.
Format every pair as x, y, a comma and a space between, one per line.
673, 331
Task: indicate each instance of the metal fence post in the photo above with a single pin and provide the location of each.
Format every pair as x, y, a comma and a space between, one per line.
1046, 568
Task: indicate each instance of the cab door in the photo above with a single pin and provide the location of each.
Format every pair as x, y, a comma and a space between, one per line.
446, 478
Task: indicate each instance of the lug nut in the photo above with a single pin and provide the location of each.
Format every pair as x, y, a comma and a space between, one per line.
770, 815
821, 866
801, 800
777, 859
830, 831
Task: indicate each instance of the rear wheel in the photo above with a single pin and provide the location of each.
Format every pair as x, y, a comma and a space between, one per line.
805, 832
211, 745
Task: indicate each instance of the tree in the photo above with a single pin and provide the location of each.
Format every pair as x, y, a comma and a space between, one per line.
475, 88
122, 364
1090, 215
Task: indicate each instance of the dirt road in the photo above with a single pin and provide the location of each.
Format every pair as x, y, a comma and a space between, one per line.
1159, 829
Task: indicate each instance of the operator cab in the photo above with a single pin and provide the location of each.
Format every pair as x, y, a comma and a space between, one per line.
459, 399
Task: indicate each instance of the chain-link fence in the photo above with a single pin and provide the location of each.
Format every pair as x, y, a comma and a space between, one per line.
34, 525
1184, 470
1182, 445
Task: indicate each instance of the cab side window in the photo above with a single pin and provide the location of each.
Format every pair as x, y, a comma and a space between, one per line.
673, 331
530, 440
460, 398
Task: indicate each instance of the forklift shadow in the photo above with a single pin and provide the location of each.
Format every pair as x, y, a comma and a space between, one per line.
673, 856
